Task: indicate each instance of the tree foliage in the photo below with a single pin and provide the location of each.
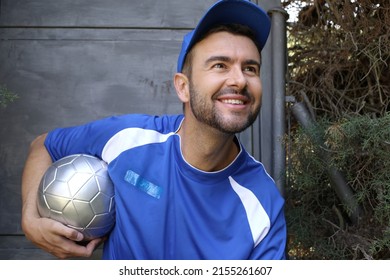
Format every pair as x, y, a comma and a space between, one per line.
339, 57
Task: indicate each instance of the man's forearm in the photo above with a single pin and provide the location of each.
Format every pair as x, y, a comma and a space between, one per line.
37, 162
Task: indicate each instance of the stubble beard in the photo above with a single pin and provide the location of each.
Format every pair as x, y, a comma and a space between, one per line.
208, 114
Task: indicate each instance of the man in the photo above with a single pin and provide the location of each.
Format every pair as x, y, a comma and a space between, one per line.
211, 199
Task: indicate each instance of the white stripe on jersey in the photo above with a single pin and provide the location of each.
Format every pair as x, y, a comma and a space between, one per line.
258, 219
130, 138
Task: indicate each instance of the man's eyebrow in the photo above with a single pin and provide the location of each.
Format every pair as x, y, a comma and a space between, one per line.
228, 59
253, 62
217, 58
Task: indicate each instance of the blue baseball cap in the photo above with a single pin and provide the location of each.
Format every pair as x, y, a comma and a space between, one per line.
227, 12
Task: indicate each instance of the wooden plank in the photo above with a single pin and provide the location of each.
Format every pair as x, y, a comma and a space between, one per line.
102, 13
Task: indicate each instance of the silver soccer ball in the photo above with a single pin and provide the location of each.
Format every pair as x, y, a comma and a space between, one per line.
78, 192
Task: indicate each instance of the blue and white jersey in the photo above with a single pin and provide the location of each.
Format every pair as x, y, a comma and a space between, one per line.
168, 209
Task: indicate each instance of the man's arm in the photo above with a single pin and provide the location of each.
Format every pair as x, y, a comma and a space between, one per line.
47, 234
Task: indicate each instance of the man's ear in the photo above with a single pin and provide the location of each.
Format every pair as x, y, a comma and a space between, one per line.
181, 83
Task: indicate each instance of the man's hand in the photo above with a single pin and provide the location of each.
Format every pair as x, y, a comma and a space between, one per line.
58, 239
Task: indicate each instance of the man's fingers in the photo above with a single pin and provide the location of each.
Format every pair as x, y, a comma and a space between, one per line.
67, 232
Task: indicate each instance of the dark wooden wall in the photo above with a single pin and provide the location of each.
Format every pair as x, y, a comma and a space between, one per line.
74, 61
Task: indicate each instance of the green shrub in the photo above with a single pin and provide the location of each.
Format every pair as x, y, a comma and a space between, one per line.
6, 96
319, 227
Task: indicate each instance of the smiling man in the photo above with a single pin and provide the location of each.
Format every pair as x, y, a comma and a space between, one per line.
210, 199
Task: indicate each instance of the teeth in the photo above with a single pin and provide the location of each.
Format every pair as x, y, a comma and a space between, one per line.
233, 101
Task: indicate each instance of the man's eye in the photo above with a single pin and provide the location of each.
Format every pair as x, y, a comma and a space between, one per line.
250, 69
219, 66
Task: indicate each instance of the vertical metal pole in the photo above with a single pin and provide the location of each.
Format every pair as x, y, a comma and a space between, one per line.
279, 53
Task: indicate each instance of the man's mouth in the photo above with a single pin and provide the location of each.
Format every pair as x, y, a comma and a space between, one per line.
232, 101
232, 97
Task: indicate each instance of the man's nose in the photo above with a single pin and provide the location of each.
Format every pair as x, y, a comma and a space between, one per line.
237, 78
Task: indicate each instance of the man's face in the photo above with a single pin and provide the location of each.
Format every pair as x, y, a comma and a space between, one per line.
225, 85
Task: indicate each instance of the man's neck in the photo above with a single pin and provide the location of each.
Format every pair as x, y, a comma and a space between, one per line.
206, 148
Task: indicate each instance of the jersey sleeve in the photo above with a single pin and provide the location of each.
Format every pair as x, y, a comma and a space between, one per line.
273, 246
84, 139
92, 137
89, 138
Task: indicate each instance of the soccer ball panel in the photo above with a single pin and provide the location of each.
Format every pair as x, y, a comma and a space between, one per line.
57, 188
43, 207
78, 213
65, 172
50, 176
102, 219
104, 183
96, 166
78, 182
56, 203
84, 163
99, 203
